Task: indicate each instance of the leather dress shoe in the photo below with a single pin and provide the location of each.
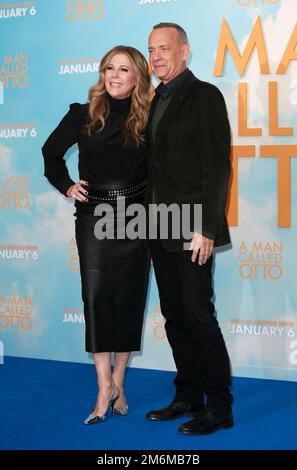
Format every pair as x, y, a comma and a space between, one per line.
176, 409
208, 422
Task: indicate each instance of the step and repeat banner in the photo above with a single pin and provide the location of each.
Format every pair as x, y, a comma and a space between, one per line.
49, 56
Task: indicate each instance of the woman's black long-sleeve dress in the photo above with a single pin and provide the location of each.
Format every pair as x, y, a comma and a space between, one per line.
114, 272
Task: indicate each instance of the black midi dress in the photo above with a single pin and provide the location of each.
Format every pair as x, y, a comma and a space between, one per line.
114, 272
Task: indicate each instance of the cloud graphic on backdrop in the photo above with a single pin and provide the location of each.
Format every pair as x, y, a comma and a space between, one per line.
5, 159
52, 224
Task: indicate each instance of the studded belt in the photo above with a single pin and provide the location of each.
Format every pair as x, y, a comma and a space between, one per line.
114, 190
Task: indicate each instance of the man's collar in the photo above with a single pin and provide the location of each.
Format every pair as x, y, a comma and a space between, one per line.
167, 90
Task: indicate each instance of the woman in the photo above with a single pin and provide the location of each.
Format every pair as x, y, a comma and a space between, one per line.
109, 131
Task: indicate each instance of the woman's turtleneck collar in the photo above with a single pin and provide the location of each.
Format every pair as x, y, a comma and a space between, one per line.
119, 105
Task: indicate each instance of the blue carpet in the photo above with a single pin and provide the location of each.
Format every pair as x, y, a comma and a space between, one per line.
43, 405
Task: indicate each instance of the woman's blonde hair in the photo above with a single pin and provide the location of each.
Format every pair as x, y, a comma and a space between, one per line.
134, 125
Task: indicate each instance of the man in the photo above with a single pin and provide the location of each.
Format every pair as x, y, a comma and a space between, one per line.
189, 142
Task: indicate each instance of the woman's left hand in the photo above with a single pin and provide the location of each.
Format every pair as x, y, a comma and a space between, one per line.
77, 191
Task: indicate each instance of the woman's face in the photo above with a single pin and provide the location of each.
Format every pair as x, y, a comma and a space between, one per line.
119, 77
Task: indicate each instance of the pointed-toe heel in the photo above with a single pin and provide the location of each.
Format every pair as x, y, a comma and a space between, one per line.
94, 419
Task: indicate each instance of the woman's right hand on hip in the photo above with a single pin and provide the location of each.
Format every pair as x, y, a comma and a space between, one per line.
77, 191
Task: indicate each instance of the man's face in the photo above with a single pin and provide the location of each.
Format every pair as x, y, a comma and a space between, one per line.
167, 56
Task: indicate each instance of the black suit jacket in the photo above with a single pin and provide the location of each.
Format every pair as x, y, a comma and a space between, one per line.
189, 161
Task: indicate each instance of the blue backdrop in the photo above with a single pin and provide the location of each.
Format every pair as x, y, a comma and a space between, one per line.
49, 58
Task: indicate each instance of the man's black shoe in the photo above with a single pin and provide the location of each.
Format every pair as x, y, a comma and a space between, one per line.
208, 422
176, 409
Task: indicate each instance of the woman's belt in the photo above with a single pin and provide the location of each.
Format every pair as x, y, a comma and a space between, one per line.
114, 190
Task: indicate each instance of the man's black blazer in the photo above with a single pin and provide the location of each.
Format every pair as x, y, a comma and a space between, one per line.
189, 161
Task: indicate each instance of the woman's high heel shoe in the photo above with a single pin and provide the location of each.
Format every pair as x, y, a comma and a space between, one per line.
94, 419
120, 410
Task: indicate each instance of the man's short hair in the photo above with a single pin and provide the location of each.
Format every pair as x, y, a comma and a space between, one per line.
182, 35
